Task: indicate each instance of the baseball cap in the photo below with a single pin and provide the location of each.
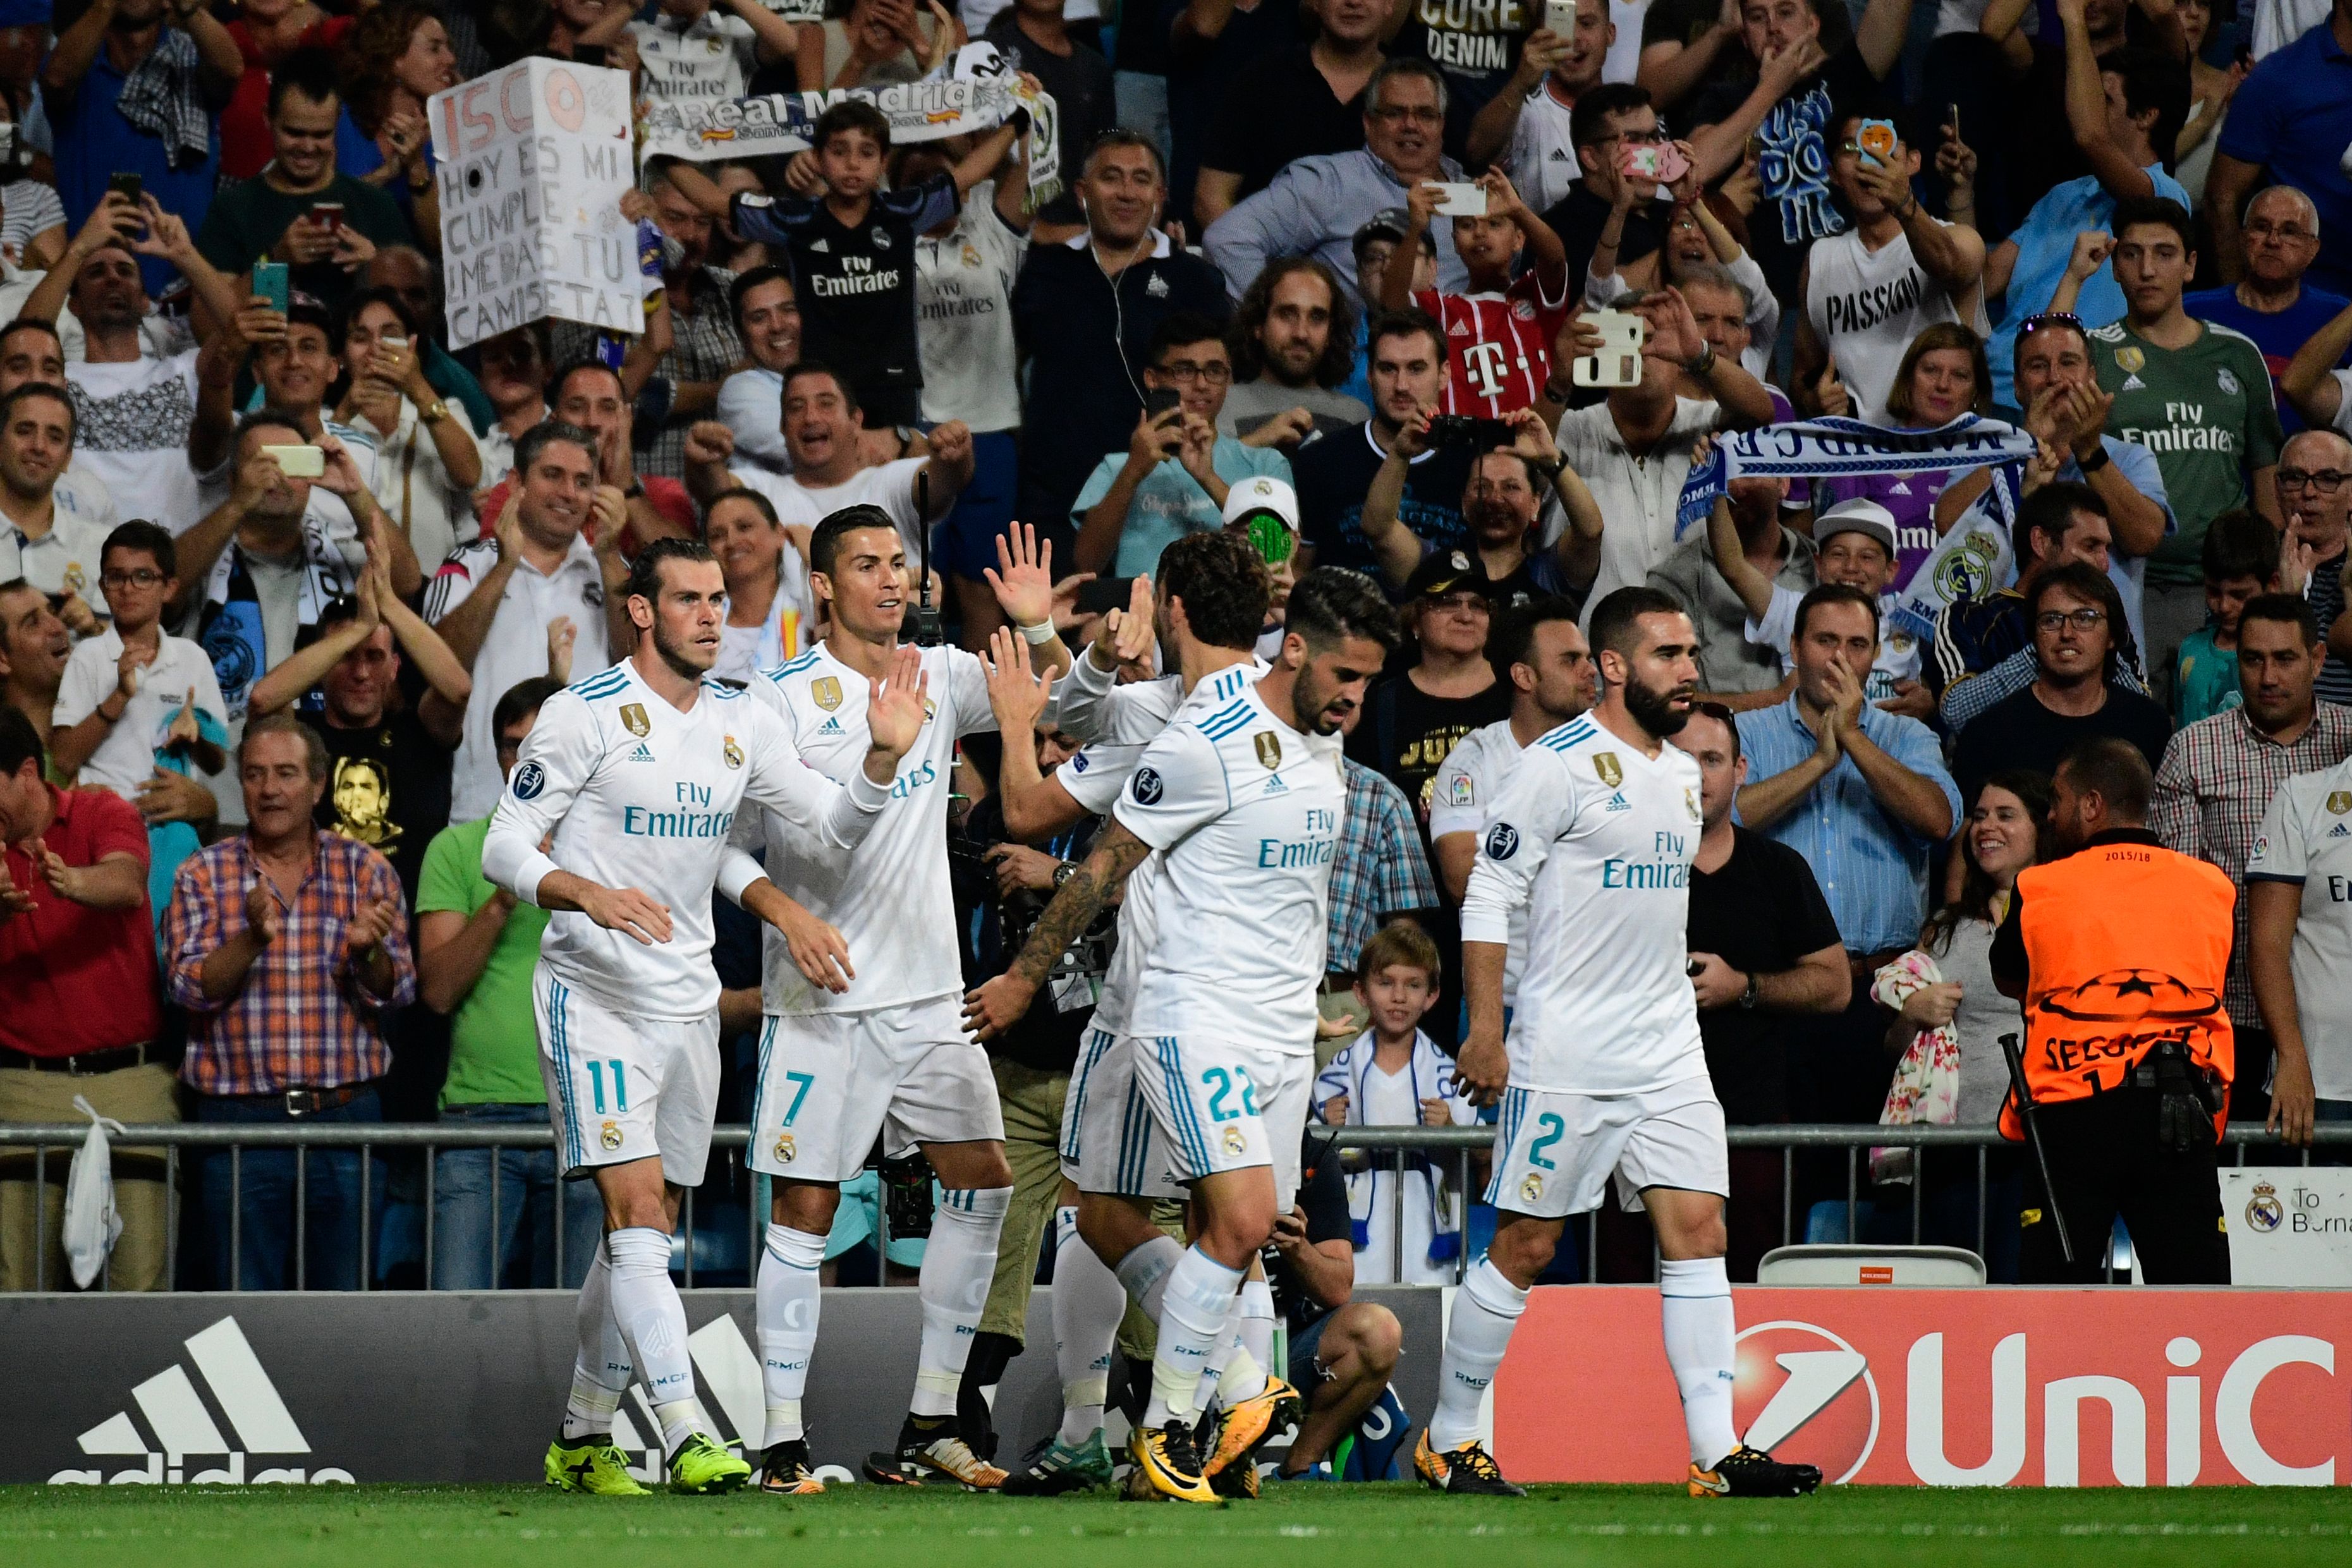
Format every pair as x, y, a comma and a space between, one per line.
1857, 517
1444, 571
1261, 494
1391, 223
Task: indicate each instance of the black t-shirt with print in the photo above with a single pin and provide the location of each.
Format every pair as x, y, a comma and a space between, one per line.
387, 786
1405, 733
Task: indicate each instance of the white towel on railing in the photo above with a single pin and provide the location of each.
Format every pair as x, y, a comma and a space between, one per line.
92, 1227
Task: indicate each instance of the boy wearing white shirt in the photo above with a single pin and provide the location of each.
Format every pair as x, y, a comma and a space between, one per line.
1394, 1075
136, 691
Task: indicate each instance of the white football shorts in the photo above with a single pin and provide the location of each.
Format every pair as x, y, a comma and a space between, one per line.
1554, 1154
1110, 1141
621, 1088
830, 1083
1224, 1106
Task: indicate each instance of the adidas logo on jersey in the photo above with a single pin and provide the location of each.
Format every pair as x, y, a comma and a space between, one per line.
2133, 383
821, 247
1618, 802
2339, 832
643, 753
830, 727
1275, 786
175, 1413
1156, 288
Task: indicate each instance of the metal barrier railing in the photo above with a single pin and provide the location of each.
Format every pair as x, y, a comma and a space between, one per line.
1398, 1144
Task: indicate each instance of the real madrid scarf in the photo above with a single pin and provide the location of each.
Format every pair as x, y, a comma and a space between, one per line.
1969, 559
229, 628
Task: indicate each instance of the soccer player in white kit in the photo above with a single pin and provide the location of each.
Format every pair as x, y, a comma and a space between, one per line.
1594, 833
632, 778
879, 1050
1243, 801
1203, 619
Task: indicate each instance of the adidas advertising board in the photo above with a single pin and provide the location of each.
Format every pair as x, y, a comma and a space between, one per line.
452, 1387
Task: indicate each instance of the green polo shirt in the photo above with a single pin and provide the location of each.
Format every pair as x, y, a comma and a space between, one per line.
493, 1038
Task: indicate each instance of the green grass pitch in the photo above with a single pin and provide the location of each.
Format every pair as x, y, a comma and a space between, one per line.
1302, 1527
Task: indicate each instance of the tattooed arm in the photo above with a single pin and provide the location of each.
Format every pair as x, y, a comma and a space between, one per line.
992, 1008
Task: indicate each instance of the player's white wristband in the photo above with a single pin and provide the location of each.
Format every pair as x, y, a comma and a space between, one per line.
1040, 633
535, 868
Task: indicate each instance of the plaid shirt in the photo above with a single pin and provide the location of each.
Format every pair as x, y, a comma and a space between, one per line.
708, 350
1380, 869
301, 1021
2217, 780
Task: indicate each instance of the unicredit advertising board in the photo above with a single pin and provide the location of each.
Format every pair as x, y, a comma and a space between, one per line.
1991, 1386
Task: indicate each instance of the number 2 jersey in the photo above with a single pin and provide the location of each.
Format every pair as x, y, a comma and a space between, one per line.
1596, 839
637, 794
1245, 811
889, 897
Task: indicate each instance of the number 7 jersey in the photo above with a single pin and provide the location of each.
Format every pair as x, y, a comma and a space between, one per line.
1596, 840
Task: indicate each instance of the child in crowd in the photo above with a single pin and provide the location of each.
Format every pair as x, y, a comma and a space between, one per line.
1856, 543
1498, 335
135, 699
2240, 559
1394, 1075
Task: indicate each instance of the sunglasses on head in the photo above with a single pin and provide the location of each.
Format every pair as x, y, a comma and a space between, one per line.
2071, 322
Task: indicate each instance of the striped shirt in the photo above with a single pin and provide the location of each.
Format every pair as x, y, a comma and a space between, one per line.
2217, 780
302, 1019
1379, 868
1498, 346
1873, 869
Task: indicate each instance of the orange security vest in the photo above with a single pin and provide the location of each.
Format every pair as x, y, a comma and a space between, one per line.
2126, 946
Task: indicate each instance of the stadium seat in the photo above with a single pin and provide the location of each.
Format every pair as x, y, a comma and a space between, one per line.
1849, 1265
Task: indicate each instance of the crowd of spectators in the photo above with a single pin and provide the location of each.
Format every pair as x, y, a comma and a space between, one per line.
285, 576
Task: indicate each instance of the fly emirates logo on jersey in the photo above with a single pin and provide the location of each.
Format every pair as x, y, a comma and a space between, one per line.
693, 818
1316, 847
1669, 870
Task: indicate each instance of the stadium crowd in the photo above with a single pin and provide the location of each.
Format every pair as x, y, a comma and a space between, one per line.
286, 577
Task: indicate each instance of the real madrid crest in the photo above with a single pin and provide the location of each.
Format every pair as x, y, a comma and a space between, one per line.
734, 753
2264, 1211
1607, 769
610, 1136
1531, 1188
1235, 1142
825, 692
1269, 749
633, 720
786, 1151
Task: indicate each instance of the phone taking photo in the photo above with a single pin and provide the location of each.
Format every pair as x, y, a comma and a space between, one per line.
273, 283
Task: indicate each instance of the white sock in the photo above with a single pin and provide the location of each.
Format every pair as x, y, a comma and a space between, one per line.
1200, 1296
653, 1321
1696, 1309
1144, 1271
1088, 1302
1228, 1346
1485, 1310
600, 1373
1246, 1373
957, 1266
789, 1300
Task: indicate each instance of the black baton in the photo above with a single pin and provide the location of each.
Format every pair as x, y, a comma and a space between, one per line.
2025, 1109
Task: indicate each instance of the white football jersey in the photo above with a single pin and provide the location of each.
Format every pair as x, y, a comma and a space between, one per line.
1596, 839
1466, 787
890, 898
1094, 778
1245, 811
640, 795
2306, 839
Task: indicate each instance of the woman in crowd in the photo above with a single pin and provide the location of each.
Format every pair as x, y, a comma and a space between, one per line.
399, 56
1943, 376
427, 464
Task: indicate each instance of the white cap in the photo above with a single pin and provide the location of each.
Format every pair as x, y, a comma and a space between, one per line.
1857, 517
1260, 493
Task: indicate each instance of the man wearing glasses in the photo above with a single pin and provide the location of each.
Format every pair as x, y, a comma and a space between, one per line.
1316, 205
2073, 610
2312, 472
1176, 471
2269, 302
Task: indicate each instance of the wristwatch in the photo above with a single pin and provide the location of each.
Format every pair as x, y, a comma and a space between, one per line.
1551, 470
1747, 996
1064, 873
1704, 363
434, 413
2097, 460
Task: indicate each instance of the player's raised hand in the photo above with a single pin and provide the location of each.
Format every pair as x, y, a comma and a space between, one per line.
818, 950
896, 709
626, 909
1022, 577
1016, 693
990, 1008
1484, 1067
